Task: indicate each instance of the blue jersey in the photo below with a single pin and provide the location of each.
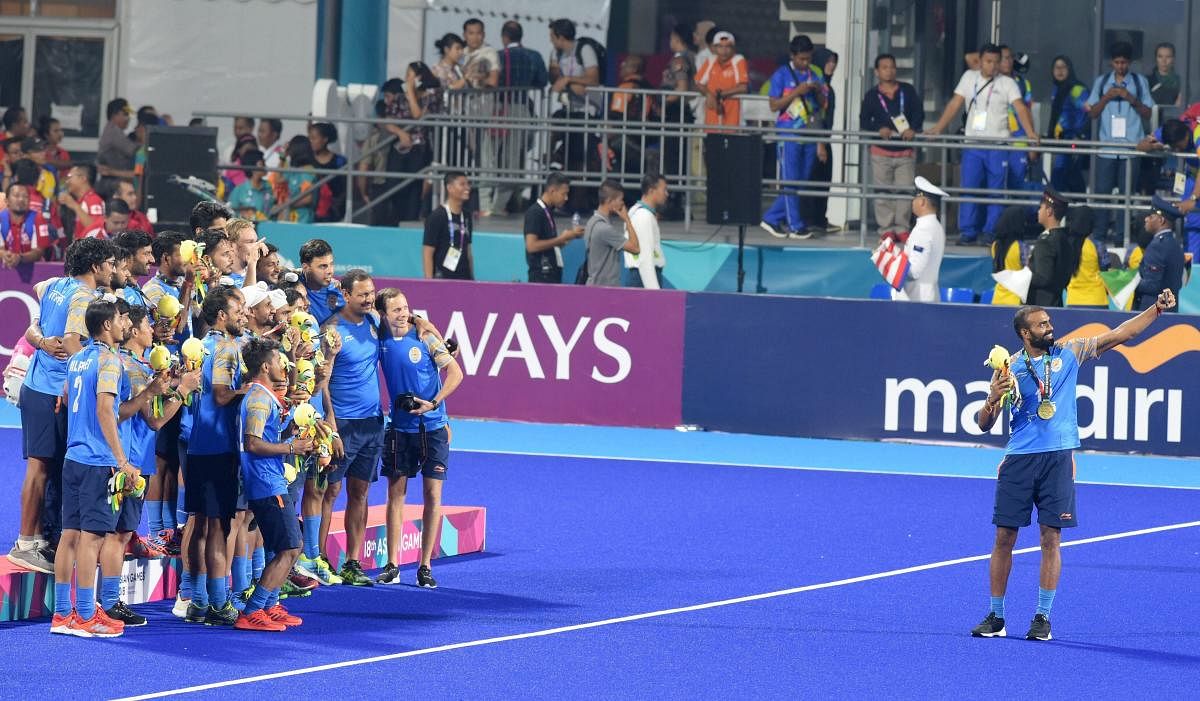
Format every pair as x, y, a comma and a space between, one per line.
354, 384
239, 279
1031, 434
62, 311
154, 290
93, 371
217, 424
805, 110
325, 302
261, 416
412, 365
136, 435
134, 295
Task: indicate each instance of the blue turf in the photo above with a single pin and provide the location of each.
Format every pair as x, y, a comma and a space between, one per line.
577, 540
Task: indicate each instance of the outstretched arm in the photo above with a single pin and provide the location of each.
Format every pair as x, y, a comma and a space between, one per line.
1130, 329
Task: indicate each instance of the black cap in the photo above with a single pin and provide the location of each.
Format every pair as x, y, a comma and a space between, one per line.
1054, 197
33, 143
1164, 209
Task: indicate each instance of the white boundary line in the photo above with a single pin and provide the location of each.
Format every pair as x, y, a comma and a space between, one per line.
799, 468
642, 616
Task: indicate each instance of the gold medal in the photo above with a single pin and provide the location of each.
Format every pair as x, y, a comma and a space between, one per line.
1045, 409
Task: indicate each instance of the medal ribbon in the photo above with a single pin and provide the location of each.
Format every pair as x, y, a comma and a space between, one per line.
1043, 388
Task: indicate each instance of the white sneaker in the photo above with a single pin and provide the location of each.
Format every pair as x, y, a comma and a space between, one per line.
772, 230
181, 606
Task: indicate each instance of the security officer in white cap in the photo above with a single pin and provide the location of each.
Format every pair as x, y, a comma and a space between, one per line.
924, 247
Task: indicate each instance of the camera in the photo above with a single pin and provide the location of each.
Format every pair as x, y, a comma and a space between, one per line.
451, 346
407, 402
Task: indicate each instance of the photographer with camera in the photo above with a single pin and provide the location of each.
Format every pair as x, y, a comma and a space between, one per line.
418, 440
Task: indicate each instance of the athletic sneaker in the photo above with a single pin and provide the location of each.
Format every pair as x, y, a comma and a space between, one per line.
124, 614
34, 558
195, 614
172, 539
779, 233
227, 615
802, 235
317, 568
280, 615
291, 591
180, 609
144, 549
259, 620
352, 574
390, 575
69, 624
425, 578
303, 583
1039, 628
101, 626
990, 627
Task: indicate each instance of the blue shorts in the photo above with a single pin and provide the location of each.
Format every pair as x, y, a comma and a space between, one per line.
363, 441
130, 515
277, 521
406, 454
1043, 479
211, 485
85, 505
166, 441
43, 426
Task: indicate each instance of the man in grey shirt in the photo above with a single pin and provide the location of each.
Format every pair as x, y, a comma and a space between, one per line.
116, 151
605, 243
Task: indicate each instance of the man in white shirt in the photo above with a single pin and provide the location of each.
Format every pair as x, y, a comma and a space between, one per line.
924, 247
269, 142
987, 95
644, 269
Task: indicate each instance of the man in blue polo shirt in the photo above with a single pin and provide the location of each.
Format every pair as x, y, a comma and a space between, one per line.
1039, 463
354, 395
325, 297
63, 331
418, 440
137, 252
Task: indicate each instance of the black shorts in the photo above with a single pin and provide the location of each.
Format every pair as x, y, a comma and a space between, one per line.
1043, 479
277, 521
211, 485
85, 505
43, 426
166, 441
130, 515
363, 441
406, 454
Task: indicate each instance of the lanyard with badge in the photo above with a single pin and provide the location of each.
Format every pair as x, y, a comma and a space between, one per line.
1119, 128
979, 119
454, 252
899, 121
1045, 409
558, 259
799, 108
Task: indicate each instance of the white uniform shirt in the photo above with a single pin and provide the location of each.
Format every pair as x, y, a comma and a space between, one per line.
924, 249
649, 243
987, 107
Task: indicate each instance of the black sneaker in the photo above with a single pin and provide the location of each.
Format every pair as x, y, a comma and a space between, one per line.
425, 578
224, 616
121, 612
990, 627
1039, 629
195, 614
390, 575
352, 574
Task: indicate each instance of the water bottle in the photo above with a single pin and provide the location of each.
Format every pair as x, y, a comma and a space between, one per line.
575, 220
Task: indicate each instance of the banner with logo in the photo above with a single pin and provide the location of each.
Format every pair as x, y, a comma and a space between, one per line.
18, 304
878, 370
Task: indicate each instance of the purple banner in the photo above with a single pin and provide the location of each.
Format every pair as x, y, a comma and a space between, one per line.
18, 303
559, 353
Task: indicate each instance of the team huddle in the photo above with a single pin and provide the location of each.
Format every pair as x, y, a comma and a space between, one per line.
226, 401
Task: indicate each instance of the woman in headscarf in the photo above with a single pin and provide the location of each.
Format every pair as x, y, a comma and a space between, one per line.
1086, 289
1006, 251
1068, 120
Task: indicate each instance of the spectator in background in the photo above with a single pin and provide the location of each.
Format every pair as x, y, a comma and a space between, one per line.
331, 202
677, 109
27, 173
1165, 85
408, 154
1068, 121
298, 184
116, 220
1014, 66
424, 94
1006, 251
245, 142
702, 37
51, 130
269, 143
138, 221
721, 79
798, 94
644, 268
252, 199
1178, 174
80, 197
626, 153
606, 242
24, 234
1120, 101
1085, 289
371, 188
986, 96
116, 151
543, 243
446, 248
574, 67
1051, 259
34, 148
822, 170
481, 65
16, 123
10, 152
894, 110
519, 68
1161, 267
447, 70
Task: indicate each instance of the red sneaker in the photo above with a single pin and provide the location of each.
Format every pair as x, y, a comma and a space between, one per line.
146, 549
259, 620
101, 626
68, 625
279, 614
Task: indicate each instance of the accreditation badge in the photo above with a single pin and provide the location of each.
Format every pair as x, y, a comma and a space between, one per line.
901, 123
450, 262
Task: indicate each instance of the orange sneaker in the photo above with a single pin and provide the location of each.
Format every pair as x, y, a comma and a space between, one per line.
101, 626
279, 614
68, 625
259, 620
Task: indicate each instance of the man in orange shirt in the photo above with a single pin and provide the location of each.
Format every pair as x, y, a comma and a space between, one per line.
720, 79
81, 199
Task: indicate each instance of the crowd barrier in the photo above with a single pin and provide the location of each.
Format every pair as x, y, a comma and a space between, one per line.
852, 369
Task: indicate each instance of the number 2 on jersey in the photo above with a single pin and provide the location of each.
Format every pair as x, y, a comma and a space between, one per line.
78, 393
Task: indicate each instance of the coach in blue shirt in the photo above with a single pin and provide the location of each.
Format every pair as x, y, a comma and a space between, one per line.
1121, 101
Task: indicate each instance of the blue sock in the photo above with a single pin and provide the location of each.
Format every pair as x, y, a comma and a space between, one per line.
62, 599
998, 606
110, 591
168, 513
180, 514
154, 520
85, 602
274, 598
260, 563
1045, 601
186, 583
312, 534
217, 592
241, 573
200, 589
258, 600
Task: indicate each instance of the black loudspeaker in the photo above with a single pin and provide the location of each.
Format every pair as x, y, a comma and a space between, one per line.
174, 154
734, 178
